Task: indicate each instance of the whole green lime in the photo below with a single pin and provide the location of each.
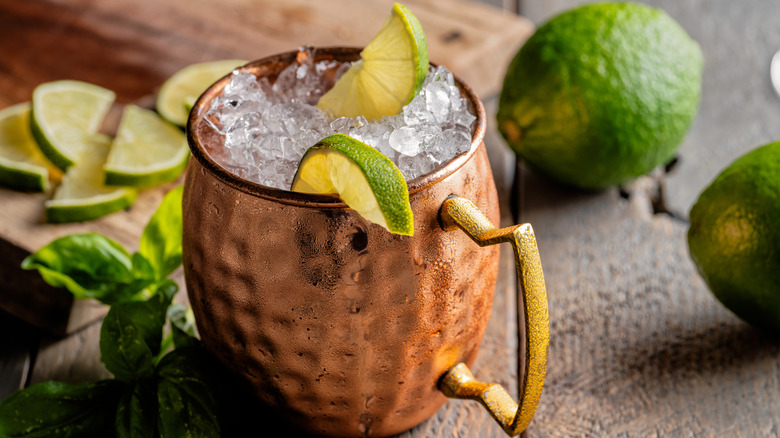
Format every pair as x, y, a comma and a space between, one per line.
601, 94
734, 237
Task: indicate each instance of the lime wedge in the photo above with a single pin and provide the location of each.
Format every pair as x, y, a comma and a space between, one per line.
366, 181
22, 165
186, 85
147, 150
388, 76
82, 195
64, 115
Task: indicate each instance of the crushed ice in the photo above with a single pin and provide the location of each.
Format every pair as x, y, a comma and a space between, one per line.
268, 127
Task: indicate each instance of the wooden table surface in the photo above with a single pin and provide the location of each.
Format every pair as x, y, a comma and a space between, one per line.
639, 347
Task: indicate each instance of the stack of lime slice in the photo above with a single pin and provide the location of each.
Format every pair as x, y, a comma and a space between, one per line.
102, 175
66, 117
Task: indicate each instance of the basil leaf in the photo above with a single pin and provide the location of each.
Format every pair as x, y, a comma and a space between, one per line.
136, 415
182, 326
161, 239
142, 268
184, 394
123, 348
167, 288
89, 265
56, 409
131, 333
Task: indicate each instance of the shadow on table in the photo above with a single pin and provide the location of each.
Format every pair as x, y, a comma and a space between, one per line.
534, 192
705, 351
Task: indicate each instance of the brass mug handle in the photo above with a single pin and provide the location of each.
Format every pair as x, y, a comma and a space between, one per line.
458, 382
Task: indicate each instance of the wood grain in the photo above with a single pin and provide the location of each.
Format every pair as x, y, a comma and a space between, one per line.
131, 46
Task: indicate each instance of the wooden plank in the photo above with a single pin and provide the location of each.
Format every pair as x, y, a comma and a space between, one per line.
18, 347
75, 358
131, 47
639, 346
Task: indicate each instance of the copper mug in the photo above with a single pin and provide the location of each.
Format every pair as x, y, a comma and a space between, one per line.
344, 328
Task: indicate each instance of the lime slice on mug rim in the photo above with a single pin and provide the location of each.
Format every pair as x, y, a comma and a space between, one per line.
389, 74
365, 179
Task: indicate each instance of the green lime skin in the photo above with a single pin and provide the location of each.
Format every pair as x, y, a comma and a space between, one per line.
734, 237
601, 94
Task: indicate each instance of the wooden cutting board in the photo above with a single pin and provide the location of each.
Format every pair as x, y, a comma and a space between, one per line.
132, 46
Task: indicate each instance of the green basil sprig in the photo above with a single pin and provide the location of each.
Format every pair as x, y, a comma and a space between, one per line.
90, 265
156, 392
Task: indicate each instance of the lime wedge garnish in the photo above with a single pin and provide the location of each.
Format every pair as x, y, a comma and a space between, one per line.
82, 195
147, 150
64, 115
22, 166
388, 76
366, 181
186, 85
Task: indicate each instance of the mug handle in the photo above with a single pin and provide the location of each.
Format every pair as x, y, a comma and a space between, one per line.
458, 382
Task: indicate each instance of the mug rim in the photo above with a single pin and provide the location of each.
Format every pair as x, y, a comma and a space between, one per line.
314, 200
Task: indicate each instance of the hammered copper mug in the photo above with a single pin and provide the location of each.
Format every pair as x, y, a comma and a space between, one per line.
344, 328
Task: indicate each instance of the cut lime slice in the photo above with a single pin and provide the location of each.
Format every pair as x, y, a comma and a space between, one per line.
186, 85
366, 181
64, 115
388, 76
22, 165
147, 150
82, 195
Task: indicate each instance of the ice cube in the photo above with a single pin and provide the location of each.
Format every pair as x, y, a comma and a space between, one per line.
268, 127
406, 141
344, 125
